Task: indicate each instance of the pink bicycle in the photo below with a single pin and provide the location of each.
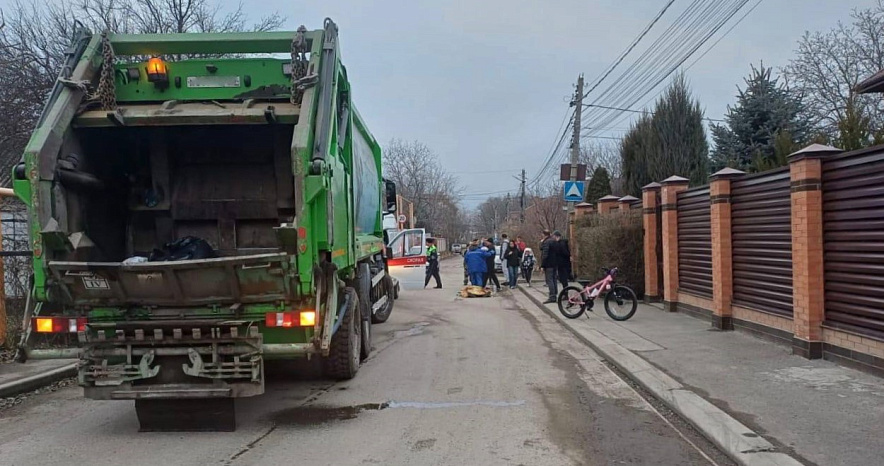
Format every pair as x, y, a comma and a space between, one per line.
620, 301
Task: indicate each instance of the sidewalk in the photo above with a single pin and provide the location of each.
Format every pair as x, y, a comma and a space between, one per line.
817, 411
17, 378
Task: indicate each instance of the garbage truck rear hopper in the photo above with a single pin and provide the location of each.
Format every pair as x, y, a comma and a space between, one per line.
266, 160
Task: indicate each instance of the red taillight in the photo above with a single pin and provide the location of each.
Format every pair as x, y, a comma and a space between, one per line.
59, 324
290, 319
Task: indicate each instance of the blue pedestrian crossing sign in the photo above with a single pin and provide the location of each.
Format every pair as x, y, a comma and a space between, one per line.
574, 191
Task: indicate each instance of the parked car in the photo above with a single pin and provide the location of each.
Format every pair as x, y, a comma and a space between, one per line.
456, 248
498, 264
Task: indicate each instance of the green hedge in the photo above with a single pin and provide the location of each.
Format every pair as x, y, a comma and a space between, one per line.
612, 240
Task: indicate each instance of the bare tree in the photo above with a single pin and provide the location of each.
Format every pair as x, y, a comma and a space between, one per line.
491, 216
34, 37
828, 66
419, 177
598, 154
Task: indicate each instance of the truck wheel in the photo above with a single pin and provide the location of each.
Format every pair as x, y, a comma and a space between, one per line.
384, 313
342, 362
363, 289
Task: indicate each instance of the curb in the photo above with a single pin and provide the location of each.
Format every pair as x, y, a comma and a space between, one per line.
737, 441
37, 380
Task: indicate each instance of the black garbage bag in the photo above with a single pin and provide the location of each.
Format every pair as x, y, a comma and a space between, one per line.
187, 248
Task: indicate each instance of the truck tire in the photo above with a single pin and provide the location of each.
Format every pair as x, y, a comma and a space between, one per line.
384, 313
343, 358
363, 290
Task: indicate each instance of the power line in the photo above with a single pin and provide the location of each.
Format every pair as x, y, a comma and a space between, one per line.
725, 34
652, 53
490, 193
484, 172
638, 111
552, 156
657, 59
629, 49
662, 59
676, 50
692, 29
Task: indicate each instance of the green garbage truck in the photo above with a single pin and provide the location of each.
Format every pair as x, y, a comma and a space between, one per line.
199, 204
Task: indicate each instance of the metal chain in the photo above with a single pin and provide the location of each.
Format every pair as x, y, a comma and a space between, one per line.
106, 93
299, 63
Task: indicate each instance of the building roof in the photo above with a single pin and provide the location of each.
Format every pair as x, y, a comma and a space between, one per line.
874, 84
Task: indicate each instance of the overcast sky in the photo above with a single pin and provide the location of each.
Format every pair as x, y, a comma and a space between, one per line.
484, 83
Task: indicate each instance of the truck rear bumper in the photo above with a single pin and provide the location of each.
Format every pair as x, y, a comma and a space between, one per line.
269, 351
147, 360
173, 391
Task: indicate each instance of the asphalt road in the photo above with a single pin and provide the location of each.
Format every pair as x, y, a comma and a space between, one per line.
451, 381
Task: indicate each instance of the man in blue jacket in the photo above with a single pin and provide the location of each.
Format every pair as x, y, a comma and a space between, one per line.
475, 261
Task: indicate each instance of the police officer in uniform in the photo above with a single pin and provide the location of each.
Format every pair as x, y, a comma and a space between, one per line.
432, 264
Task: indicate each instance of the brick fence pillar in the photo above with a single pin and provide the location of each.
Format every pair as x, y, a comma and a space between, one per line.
722, 251
649, 221
670, 188
805, 167
625, 203
583, 209
608, 204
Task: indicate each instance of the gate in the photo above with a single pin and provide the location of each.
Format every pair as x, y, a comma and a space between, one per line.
762, 242
16, 267
695, 242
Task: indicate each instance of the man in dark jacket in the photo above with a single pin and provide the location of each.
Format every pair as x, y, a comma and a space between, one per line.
563, 271
513, 258
432, 264
549, 264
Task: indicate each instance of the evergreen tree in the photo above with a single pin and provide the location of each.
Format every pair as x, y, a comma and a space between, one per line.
635, 150
671, 142
765, 111
678, 123
854, 128
599, 185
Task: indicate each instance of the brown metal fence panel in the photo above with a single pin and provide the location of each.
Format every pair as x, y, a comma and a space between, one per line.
761, 237
853, 225
694, 242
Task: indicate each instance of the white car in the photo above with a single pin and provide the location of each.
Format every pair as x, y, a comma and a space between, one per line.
498, 264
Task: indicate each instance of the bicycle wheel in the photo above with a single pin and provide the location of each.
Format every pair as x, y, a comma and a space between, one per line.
621, 303
571, 302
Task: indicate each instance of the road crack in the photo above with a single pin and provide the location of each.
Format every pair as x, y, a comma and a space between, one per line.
274, 425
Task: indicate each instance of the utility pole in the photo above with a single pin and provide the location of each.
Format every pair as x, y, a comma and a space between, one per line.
522, 198
506, 209
575, 138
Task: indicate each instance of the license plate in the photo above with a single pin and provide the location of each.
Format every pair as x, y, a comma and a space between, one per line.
95, 283
213, 81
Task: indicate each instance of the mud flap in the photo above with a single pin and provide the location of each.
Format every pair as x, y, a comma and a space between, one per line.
186, 415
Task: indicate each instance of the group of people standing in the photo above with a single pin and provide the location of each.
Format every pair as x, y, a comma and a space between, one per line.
516, 259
